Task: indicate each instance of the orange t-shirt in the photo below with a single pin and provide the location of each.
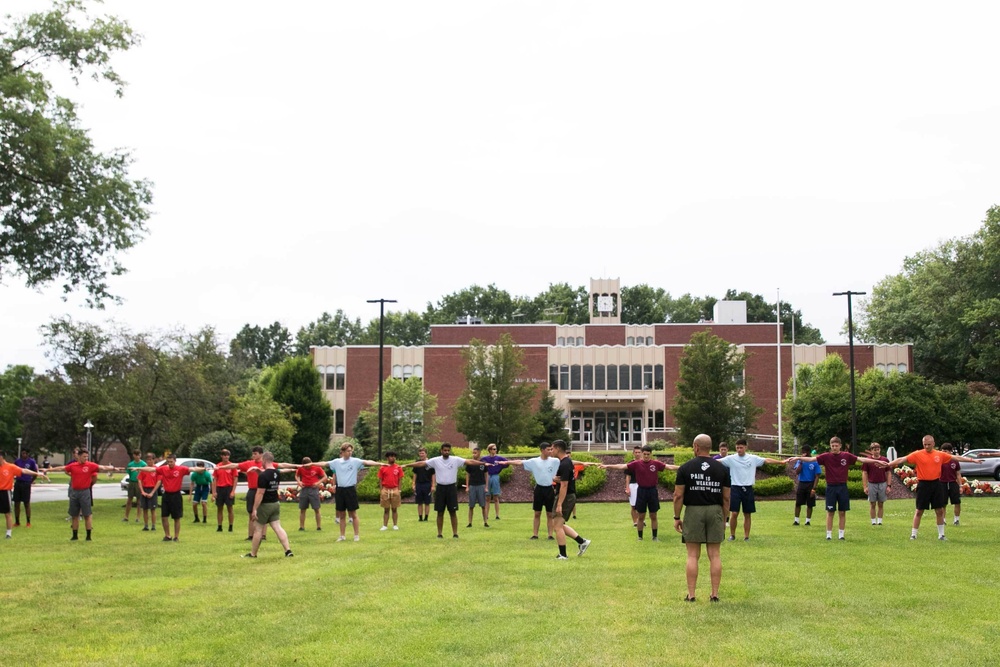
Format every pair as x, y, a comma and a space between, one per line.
8, 471
928, 463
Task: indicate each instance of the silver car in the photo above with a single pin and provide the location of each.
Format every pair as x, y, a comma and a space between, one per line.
186, 484
989, 467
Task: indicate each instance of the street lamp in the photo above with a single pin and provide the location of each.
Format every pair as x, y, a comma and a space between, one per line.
88, 426
381, 372
850, 344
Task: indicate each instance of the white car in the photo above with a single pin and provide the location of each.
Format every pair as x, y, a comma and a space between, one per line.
989, 466
186, 484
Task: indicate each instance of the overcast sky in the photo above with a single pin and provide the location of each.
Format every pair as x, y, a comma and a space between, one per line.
308, 156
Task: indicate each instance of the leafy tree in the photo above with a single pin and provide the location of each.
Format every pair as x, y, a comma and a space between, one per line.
407, 328
66, 210
335, 330
296, 384
759, 310
495, 405
711, 397
15, 384
897, 409
409, 416
560, 303
822, 408
946, 301
494, 306
364, 432
973, 415
209, 445
643, 304
551, 420
260, 419
687, 308
261, 346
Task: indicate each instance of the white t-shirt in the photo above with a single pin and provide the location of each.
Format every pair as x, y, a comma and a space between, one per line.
446, 469
742, 469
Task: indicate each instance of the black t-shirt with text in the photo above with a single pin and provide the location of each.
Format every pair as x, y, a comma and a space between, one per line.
269, 481
703, 480
476, 474
565, 473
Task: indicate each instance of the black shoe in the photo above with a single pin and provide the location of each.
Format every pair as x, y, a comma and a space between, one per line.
175, 539
88, 539
486, 525
289, 554
145, 529
533, 537
219, 529
468, 525
167, 539
230, 529
196, 520
247, 556
551, 538
688, 599
302, 529
249, 538
455, 536
714, 598
74, 538
497, 518
440, 536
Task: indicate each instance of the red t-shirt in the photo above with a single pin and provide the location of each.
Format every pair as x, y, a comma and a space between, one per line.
390, 476
876, 474
147, 480
928, 464
836, 466
223, 477
645, 472
8, 471
949, 471
172, 478
252, 475
308, 475
81, 475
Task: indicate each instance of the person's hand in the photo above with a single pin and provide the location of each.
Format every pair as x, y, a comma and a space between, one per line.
254, 515
558, 509
864, 489
679, 525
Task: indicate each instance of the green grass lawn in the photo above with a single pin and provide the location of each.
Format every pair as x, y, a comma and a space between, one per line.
495, 598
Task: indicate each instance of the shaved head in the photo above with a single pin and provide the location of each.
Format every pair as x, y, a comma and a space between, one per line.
702, 443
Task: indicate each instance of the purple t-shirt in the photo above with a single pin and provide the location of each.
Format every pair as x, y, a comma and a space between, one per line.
836, 466
876, 474
27, 464
949, 471
493, 469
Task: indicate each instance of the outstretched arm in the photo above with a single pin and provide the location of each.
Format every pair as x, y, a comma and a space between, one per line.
614, 466
966, 459
374, 464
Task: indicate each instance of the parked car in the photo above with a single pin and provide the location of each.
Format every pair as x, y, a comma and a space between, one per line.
990, 465
186, 484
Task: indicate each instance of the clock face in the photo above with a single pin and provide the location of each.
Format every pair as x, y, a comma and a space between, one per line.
605, 304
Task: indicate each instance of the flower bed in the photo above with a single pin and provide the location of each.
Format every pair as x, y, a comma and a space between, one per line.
972, 487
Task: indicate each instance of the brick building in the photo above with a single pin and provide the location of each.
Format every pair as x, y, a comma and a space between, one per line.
612, 380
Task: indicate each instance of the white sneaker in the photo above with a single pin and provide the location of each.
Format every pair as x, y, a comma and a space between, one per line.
955, 522
395, 527
384, 528
341, 538
336, 519
350, 520
942, 538
561, 557
583, 547
357, 538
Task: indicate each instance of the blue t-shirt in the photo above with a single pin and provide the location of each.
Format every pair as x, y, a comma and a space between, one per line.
742, 469
544, 471
808, 470
346, 470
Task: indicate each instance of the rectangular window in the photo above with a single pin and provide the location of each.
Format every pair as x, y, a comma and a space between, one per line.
636, 376
599, 377
612, 378
588, 377
338, 426
623, 378
574, 377
331, 380
341, 377
658, 376
553, 377
564, 377
647, 376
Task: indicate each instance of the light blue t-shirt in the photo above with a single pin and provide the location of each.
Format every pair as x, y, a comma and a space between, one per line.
346, 470
544, 471
742, 469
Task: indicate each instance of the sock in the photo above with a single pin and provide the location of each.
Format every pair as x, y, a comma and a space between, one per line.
88, 533
579, 540
796, 520
940, 530
829, 533
562, 550
880, 522
75, 533
807, 521
655, 530
640, 533
8, 533
840, 533
913, 533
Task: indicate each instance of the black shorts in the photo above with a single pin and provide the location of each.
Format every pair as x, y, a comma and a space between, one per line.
952, 492
446, 497
742, 496
173, 506
347, 498
544, 497
647, 499
251, 494
804, 494
837, 498
22, 491
224, 496
930, 494
150, 502
422, 493
5, 502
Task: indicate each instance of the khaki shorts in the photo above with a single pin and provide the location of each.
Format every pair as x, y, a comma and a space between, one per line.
704, 524
268, 513
389, 498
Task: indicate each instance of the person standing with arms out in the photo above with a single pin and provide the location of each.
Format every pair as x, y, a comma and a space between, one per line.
836, 464
743, 474
148, 499
446, 469
930, 494
565, 502
702, 489
345, 478
390, 477
266, 510
543, 468
201, 485
631, 486
132, 493
723, 451
22, 487
875, 481
171, 478
646, 472
250, 468
81, 477
8, 472
952, 480
423, 487
224, 490
310, 478
493, 481
475, 486
805, 493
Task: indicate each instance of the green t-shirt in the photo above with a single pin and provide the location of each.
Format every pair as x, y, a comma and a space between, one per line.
133, 475
199, 477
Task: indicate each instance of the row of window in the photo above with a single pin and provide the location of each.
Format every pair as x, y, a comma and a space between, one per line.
891, 368
612, 426
333, 377
406, 372
569, 341
600, 377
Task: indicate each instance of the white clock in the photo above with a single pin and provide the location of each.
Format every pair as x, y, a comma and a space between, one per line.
605, 304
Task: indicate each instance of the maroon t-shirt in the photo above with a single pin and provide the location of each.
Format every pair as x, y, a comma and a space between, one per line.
949, 471
836, 465
645, 472
876, 474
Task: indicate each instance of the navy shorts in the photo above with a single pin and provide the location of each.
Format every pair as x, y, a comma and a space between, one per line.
647, 499
837, 498
739, 497
422, 493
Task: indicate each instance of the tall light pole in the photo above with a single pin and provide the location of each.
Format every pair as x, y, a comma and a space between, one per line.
850, 344
381, 371
778, 336
88, 426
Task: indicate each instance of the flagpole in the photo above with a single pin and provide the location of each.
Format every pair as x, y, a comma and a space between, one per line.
778, 348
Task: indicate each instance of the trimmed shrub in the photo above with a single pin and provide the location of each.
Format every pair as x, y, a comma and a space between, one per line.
368, 485
591, 479
773, 486
774, 469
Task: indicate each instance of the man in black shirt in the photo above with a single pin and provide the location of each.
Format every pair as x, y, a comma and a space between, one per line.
266, 507
565, 502
423, 487
475, 485
702, 487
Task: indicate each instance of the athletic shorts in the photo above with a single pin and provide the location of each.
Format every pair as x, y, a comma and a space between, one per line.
930, 495
268, 513
477, 495
173, 506
741, 497
876, 492
308, 497
544, 498
22, 491
224, 496
804, 494
633, 489
251, 494
704, 524
347, 498
80, 502
837, 498
5, 502
569, 502
422, 493
953, 492
493, 485
647, 499
389, 498
446, 497
150, 502
200, 493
